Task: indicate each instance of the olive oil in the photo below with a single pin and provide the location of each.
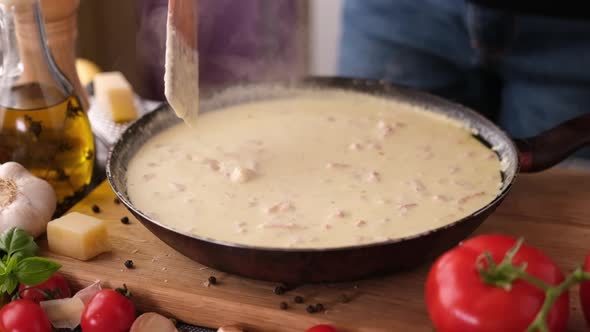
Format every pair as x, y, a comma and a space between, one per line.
48, 133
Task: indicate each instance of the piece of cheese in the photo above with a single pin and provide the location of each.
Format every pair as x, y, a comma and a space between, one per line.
86, 70
78, 236
64, 313
114, 93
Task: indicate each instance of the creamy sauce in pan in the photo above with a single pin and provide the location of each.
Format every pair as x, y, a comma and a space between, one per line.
319, 171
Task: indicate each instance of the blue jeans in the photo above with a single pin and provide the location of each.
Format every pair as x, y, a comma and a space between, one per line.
527, 73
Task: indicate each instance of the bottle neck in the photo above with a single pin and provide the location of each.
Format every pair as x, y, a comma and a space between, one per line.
26, 57
61, 26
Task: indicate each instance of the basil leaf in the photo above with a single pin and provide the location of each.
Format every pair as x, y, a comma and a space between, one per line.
11, 264
3, 270
3, 279
33, 271
5, 238
18, 243
10, 283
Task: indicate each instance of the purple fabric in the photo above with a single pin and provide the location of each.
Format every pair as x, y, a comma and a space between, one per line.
245, 40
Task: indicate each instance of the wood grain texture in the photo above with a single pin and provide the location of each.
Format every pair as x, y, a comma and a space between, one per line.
550, 210
184, 18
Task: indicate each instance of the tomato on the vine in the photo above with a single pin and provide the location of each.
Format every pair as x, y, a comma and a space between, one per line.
55, 287
459, 298
322, 328
23, 315
108, 310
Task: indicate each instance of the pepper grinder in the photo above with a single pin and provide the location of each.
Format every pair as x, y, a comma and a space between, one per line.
61, 27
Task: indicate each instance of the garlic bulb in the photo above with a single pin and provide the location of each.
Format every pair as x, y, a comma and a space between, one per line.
26, 202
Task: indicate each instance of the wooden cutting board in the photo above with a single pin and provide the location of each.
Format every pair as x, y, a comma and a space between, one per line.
551, 210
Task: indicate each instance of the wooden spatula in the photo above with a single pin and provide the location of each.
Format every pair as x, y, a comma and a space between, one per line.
182, 59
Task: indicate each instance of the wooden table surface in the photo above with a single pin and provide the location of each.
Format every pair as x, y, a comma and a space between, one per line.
551, 210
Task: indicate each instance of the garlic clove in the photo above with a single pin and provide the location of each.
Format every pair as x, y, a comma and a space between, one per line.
11, 170
40, 194
151, 322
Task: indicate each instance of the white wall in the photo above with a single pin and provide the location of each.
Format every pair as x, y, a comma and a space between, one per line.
325, 27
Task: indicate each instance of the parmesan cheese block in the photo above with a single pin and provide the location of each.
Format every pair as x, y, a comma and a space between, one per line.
114, 93
78, 236
64, 313
86, 70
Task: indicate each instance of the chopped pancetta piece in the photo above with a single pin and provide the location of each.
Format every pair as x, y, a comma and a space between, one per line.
338, 214
149, 176
213, 164
385, 129
336, 166
373, 176
383, 201
178, 187
454, 170
441, 198
407, 206
355, 146
469, 197
374, 146
241, 175
417, 186
280, 208
491, 156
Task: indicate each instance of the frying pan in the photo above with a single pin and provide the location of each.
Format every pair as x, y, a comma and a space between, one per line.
297, 266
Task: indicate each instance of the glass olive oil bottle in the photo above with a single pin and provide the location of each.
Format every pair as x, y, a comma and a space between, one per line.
42, 124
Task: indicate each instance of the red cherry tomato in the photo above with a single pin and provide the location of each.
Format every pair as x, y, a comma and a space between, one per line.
459, 300
55, 287
322, 328
585, 293
23, 315
108, 310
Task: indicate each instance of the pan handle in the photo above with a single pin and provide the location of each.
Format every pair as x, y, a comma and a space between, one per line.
545, 150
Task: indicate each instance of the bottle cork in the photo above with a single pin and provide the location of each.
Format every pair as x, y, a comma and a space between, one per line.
62, 32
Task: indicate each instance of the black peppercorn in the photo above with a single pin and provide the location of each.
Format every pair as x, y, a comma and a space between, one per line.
129, 264
311, 309
212, 280
125, 220
298, 299
319, 307
283, 306
279, 290
116, 201
95, 208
